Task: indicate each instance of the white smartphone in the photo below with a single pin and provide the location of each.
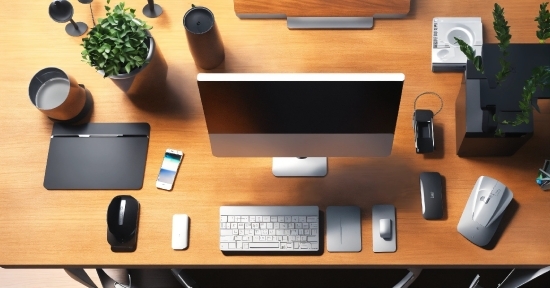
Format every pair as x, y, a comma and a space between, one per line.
169, 169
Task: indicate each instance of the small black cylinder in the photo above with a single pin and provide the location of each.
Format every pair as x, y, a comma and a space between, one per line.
203, 37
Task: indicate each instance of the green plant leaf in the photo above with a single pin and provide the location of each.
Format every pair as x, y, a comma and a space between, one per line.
470, 54
128, 68
543, 23
116, 44
503, 35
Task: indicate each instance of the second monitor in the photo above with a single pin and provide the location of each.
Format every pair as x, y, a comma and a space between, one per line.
301, 118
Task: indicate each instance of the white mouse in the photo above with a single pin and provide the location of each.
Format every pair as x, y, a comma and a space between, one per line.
385, 228
180, 231
483, 212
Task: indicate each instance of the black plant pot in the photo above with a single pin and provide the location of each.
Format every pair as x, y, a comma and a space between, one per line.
482, 100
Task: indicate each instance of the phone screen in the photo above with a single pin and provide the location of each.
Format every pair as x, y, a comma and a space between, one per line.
169, 168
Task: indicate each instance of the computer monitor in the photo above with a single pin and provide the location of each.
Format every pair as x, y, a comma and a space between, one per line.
300, 118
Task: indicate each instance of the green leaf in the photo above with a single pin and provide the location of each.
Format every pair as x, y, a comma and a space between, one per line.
470, 54
543, 23
127, 68
502, 31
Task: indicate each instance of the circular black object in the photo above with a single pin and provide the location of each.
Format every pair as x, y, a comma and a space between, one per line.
61, 11
198, 20
76, 29
152, 10
85, 1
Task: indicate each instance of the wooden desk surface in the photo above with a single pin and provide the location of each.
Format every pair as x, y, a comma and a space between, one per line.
61, 228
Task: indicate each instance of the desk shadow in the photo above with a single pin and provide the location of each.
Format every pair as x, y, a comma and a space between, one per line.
371, 181
439, 143
163, 20
511, 210
287, 252
163, 97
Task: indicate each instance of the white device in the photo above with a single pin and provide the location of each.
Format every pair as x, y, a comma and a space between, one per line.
484, 210
180, 231
446, 54
269, 228
169, 169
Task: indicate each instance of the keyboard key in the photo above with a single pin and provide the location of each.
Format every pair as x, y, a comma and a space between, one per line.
288, 219
264, 245
231, 218
311, 219
224, 246
302, 245
227, 239
223, 218
226, 232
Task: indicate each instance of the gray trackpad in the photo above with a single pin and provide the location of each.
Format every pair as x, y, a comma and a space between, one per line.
343, 228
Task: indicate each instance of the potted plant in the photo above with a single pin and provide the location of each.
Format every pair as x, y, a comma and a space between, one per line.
120, 47
500, 88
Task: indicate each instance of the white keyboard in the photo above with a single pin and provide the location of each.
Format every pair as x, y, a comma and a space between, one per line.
269, 228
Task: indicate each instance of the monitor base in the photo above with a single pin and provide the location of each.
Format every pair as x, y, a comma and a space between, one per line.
300, 166
330, 22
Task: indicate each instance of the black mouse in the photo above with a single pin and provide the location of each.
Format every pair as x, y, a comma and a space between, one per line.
431, 194
122, 218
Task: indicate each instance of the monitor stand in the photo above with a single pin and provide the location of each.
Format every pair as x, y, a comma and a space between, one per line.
329, 22
300, 166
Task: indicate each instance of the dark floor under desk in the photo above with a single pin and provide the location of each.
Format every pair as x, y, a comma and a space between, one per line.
305, 278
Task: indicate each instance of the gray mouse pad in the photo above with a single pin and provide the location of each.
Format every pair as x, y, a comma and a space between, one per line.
343, 228
97, 156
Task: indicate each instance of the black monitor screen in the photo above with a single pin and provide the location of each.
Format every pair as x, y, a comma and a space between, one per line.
303, 107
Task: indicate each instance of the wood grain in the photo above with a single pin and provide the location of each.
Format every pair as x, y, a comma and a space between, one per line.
41, 228
320, 8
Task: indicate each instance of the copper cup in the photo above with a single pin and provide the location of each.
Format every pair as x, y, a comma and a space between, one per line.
58, 95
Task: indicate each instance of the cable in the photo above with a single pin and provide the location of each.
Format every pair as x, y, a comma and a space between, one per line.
433, 93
